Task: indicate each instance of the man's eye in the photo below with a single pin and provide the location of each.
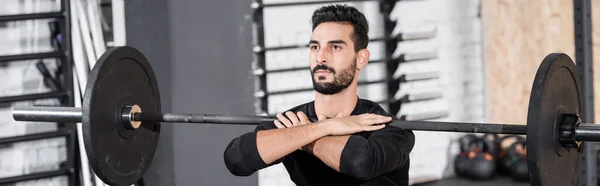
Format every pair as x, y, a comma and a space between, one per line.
313, 47
336, 47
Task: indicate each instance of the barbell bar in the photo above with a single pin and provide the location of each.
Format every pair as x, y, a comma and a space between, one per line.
73, 115
583, 131
121, 118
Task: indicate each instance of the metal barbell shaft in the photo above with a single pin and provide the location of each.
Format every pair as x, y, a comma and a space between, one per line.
491, 128
409, 125
71, 114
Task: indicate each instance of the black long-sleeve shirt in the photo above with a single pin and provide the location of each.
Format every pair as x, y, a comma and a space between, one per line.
378, 157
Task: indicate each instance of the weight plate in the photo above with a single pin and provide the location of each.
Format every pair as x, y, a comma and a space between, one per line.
555, 91
122, 76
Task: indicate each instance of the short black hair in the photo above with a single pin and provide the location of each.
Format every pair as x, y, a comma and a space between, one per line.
345, 14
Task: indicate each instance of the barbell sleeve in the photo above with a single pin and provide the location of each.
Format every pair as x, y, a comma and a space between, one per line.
587, 132
48, 114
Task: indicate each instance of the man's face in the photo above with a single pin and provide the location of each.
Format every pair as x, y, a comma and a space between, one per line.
332, 57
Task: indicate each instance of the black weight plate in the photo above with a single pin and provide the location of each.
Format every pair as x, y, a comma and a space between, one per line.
555, 91
122, 76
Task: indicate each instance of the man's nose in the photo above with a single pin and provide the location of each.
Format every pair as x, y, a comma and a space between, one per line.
322, 56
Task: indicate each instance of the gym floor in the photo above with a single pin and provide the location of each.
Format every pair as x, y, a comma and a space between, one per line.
499, 181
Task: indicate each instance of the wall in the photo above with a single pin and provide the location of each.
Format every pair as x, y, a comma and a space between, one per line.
514, 49
518, 35
459, 46
210, 73
202, 57
210, 44
21, 78
144, 20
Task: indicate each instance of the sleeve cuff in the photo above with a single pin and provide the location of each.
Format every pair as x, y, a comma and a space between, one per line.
353, 146
248, 146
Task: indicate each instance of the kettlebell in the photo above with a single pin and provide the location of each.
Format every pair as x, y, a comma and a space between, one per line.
518, 169
480, 163
461, 158
503, 161
493, 138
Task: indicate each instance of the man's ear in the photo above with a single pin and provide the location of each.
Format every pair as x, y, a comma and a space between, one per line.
362, 58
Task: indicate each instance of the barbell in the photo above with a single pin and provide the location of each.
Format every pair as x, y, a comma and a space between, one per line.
121, 118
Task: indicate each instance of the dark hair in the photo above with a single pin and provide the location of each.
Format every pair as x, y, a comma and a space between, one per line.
345, 14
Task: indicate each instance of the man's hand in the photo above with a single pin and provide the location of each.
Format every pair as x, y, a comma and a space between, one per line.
355, 124
294, 120
337, 125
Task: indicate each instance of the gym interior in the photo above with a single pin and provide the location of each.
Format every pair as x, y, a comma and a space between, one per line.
431, 61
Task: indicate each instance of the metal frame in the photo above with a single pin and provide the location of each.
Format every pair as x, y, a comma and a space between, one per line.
259, 61
28, 97
583, 59
386, 7
37, 136
72, 163
34, 176
43, 55
394, 80
22, 17
70, 167
310, 3
402, 58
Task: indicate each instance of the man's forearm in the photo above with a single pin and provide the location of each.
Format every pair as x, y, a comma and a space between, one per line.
329, 149
277, 143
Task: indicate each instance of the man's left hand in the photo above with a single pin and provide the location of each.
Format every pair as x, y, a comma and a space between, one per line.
296, 120
292, 119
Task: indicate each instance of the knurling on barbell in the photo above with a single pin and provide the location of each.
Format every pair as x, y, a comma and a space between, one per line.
121, 118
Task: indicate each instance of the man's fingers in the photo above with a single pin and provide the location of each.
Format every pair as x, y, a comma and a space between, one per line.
284, 120
293, 118
338, 115
375, 119
321, 117
278, 124
384, 119
373, 127
303, 118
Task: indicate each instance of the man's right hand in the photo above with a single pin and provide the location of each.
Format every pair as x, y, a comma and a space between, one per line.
355, 124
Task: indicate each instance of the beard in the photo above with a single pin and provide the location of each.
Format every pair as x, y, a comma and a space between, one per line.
340, 82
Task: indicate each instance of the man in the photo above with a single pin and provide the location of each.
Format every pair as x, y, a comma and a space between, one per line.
352, 142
